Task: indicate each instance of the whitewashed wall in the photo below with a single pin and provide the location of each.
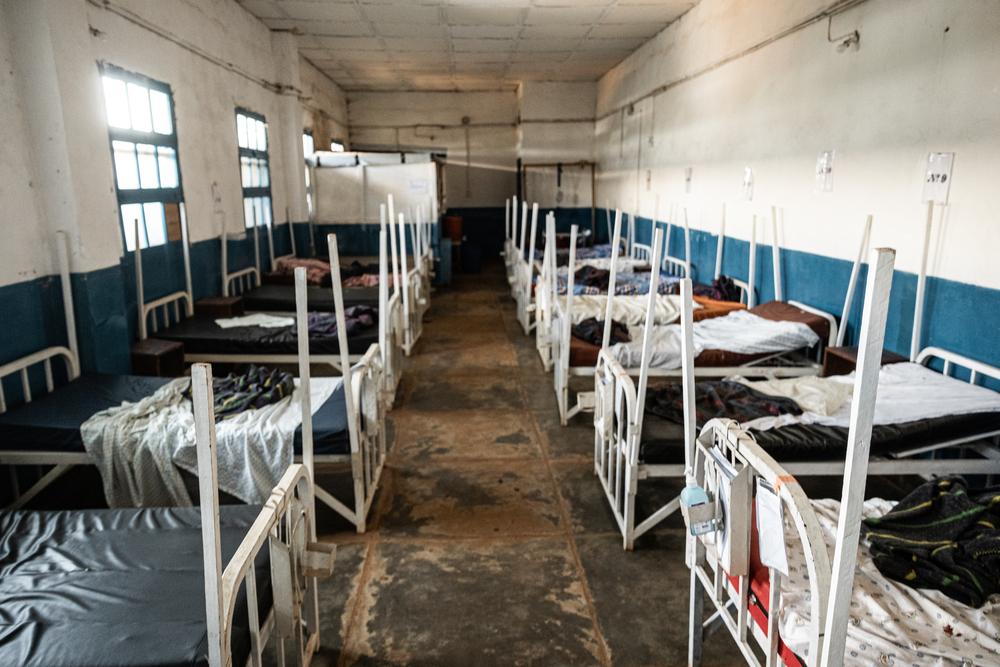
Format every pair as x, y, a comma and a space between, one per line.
53, 48
484, 175
925, 78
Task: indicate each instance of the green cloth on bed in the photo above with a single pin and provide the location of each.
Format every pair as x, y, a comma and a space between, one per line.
941, 537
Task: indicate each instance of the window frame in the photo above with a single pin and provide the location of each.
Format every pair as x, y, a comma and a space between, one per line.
140, 195
255, 192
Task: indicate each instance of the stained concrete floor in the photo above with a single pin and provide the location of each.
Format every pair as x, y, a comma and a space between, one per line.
490, 542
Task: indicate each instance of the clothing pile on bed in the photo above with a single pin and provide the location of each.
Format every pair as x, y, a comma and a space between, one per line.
941, 537
356, 318
366, 280
589, 280
317, 270
716, 400
722, 289
255, 388
592, 331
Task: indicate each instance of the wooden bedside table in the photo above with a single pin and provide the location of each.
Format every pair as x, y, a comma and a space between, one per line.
163, 358
843, 360
219, 306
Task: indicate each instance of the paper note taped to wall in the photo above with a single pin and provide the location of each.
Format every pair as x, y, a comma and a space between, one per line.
419, 186
937, 178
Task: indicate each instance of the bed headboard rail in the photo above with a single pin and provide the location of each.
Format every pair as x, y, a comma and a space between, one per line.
22, 366
245, 278
740, 449
953, 360
164, 311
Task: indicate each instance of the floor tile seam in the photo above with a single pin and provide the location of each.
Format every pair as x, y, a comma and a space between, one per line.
604, 649
356, 601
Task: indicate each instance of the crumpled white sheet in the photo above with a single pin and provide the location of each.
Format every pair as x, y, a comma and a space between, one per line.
140, 448
740, 332
820, 396
628, 309
906, 392
890, 624
255, 320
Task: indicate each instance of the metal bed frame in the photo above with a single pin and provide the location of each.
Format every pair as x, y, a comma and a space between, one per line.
362, 381
286, 526
547, 294
831, 576
619, 416
763, 367
166, 310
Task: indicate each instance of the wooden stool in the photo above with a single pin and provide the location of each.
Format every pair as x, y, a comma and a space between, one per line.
163, 358
843, 360
219, 306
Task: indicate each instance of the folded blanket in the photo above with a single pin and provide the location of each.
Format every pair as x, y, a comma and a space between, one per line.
941, 537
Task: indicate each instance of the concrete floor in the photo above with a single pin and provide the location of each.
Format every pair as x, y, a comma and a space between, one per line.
490, 542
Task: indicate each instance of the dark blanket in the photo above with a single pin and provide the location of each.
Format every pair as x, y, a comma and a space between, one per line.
941, 537
722, 289
714, 399
356, 318
592, 331
589, 276
257, 387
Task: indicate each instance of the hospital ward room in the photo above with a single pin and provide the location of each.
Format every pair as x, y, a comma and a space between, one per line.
528, 333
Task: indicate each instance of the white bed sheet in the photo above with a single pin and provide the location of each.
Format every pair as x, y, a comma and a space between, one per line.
890, 624
906, 392
628, 309
740, 332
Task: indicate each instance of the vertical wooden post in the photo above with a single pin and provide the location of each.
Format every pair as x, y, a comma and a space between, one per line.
204, 429
404, 279
647, 333
858, 445
853, 282
62, 249
687, 378
720, 244
776, 255
531, 258
687, 243
752, 272
140, 293
524, 229
612, 279
513, 223
302, 332
346, 370
918, 308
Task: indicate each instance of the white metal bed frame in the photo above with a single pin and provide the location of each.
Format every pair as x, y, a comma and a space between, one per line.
156, 313
361, 382
763, 367
830, 580
286, 526
547, 294
619, 415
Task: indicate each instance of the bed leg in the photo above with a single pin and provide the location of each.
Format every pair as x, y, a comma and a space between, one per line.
695, 628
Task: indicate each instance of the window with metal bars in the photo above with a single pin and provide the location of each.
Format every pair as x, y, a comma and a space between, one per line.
255, 171
143, 135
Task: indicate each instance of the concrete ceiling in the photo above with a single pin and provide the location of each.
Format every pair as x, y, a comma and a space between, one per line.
465, 44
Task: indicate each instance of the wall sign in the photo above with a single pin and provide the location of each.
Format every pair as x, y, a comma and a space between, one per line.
419, 186
937, 178
748, 183
824, 172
